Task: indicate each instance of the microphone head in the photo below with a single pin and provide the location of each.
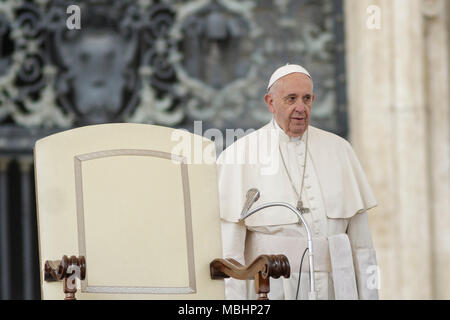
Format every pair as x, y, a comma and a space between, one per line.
252, 196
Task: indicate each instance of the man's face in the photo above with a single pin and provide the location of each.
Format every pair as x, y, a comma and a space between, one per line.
290, 99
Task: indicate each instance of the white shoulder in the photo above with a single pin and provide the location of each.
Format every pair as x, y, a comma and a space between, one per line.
329, 138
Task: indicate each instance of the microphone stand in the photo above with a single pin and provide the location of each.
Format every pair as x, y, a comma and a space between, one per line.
312, 295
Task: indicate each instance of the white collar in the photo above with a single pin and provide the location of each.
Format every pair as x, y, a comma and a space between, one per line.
283, 136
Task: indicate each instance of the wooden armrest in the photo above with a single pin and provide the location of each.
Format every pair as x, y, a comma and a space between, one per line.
66, 270
261, 269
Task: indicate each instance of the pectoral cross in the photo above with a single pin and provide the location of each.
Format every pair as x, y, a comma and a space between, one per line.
301, 208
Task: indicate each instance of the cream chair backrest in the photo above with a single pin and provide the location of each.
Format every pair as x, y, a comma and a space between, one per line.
129, 198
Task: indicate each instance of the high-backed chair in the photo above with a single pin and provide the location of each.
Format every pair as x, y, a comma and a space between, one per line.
131, 211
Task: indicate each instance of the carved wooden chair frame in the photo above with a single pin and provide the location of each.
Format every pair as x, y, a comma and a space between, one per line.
261, 270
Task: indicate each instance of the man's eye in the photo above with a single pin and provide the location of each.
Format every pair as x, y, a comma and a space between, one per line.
291, 99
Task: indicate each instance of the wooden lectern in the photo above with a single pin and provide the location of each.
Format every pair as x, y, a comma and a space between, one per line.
130, 211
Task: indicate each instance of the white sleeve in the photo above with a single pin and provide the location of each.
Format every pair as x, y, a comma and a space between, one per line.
233, 244
364, 257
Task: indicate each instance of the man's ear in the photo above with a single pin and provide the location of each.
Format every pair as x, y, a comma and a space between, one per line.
312, 98
269, 101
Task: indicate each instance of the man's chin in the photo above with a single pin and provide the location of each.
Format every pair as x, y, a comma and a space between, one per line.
297, 131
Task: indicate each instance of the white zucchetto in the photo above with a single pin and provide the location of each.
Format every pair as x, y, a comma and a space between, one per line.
285, 70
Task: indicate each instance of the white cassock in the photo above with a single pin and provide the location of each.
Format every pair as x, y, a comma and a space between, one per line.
336, 192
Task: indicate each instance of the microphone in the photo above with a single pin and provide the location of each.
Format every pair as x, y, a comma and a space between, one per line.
252, 197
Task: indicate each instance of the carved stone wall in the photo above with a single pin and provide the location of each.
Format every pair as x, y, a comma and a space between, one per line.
163, 62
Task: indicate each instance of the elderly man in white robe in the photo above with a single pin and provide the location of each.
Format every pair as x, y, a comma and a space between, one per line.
290, 161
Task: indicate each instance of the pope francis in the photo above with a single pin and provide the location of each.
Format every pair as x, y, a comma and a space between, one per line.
290, 161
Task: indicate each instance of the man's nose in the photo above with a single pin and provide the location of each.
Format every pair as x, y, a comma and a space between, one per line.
300, 107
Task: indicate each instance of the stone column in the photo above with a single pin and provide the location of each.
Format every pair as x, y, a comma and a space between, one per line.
28, 217
437, 66
5, 241
391, 129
